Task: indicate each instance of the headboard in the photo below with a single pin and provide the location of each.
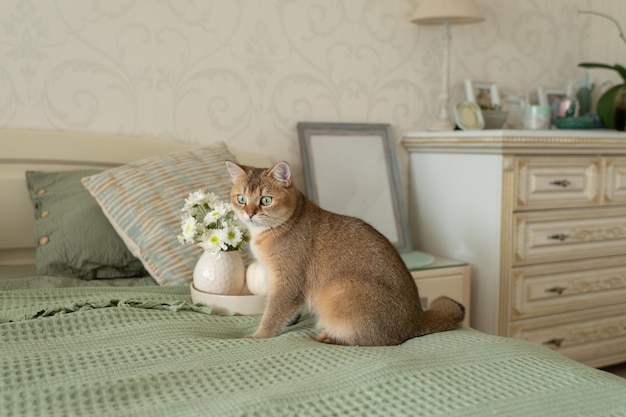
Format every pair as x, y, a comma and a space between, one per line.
22, 150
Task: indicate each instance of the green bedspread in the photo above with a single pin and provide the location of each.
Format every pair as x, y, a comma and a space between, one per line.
147, 352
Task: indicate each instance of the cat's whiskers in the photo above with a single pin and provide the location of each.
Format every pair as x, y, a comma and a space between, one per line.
267, 222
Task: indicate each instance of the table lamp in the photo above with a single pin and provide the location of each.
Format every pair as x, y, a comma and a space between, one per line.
446, 13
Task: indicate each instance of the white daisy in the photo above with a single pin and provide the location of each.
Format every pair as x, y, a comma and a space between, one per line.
212, 241
195, 198
216, 214
189, 226
233, 236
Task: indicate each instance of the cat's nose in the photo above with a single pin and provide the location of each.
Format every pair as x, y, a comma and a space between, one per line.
251, 214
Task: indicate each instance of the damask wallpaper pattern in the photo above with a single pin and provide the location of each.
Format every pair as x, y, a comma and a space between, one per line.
246, 71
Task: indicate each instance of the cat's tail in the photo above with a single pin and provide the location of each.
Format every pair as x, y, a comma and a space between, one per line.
444, 314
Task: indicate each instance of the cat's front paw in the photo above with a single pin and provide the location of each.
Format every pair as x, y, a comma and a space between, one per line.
258, 335
323, 337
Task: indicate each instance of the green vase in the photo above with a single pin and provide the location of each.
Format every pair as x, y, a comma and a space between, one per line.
606, 106
619, 119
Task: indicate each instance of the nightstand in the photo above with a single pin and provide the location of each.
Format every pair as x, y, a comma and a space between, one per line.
444, 277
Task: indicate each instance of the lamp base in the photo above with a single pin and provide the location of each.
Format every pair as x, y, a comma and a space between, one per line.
442, 125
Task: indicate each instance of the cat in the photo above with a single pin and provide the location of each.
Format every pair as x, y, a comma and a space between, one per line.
344, 271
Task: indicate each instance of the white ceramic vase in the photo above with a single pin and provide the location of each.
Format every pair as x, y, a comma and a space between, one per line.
220, 273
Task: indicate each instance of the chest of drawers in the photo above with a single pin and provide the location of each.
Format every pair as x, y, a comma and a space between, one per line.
541, 218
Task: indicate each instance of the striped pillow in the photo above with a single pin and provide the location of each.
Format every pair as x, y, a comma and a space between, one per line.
143, 202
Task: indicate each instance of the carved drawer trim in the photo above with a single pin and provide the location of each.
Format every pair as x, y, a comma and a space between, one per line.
615, 180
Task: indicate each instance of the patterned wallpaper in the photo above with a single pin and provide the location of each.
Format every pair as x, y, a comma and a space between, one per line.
246, 71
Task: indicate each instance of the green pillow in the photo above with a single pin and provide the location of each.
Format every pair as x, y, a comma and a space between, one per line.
72, 235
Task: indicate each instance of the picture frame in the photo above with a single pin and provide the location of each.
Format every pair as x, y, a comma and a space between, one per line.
548, 96
484, 94
351, 169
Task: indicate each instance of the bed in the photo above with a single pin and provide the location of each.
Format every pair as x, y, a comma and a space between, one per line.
82, 333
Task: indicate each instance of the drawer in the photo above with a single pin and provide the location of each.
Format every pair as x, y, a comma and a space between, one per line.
595, 337
568, 235
615, 180
557, 182
558, 288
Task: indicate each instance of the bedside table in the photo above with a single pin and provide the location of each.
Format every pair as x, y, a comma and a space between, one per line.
444, 277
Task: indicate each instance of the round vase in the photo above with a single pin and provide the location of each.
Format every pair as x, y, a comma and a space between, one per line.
257, 279
619, 112
606, 106
220, 273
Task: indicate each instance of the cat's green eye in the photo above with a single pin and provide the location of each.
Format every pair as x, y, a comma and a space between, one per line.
241, 199
266, 201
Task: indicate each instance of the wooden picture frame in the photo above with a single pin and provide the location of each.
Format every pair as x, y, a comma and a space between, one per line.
351, 169
484, 94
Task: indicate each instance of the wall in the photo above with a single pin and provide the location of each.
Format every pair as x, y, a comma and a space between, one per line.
246, 71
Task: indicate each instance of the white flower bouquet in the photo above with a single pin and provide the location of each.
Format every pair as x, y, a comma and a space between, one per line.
211, 224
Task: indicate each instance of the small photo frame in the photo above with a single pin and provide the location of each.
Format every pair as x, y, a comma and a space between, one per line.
552, 97
482, 93
549, 96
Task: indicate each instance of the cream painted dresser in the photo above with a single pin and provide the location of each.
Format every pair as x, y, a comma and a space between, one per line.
541, 218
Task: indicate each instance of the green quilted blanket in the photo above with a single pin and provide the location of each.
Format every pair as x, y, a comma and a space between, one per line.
148, 352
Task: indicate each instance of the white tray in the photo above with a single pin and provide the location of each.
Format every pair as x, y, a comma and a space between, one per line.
245, 305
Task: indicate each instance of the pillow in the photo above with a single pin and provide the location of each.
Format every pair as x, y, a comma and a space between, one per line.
72, 235
143, 202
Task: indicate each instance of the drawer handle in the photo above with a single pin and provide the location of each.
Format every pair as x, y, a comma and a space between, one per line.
559, 236
558, 290
556, 342
561, 183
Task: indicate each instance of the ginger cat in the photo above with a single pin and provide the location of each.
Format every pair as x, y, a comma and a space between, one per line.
347, 273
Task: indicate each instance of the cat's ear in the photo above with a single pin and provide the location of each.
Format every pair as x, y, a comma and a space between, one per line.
235, 170
282, 173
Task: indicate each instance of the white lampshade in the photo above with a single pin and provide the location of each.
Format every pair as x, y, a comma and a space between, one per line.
437, 12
